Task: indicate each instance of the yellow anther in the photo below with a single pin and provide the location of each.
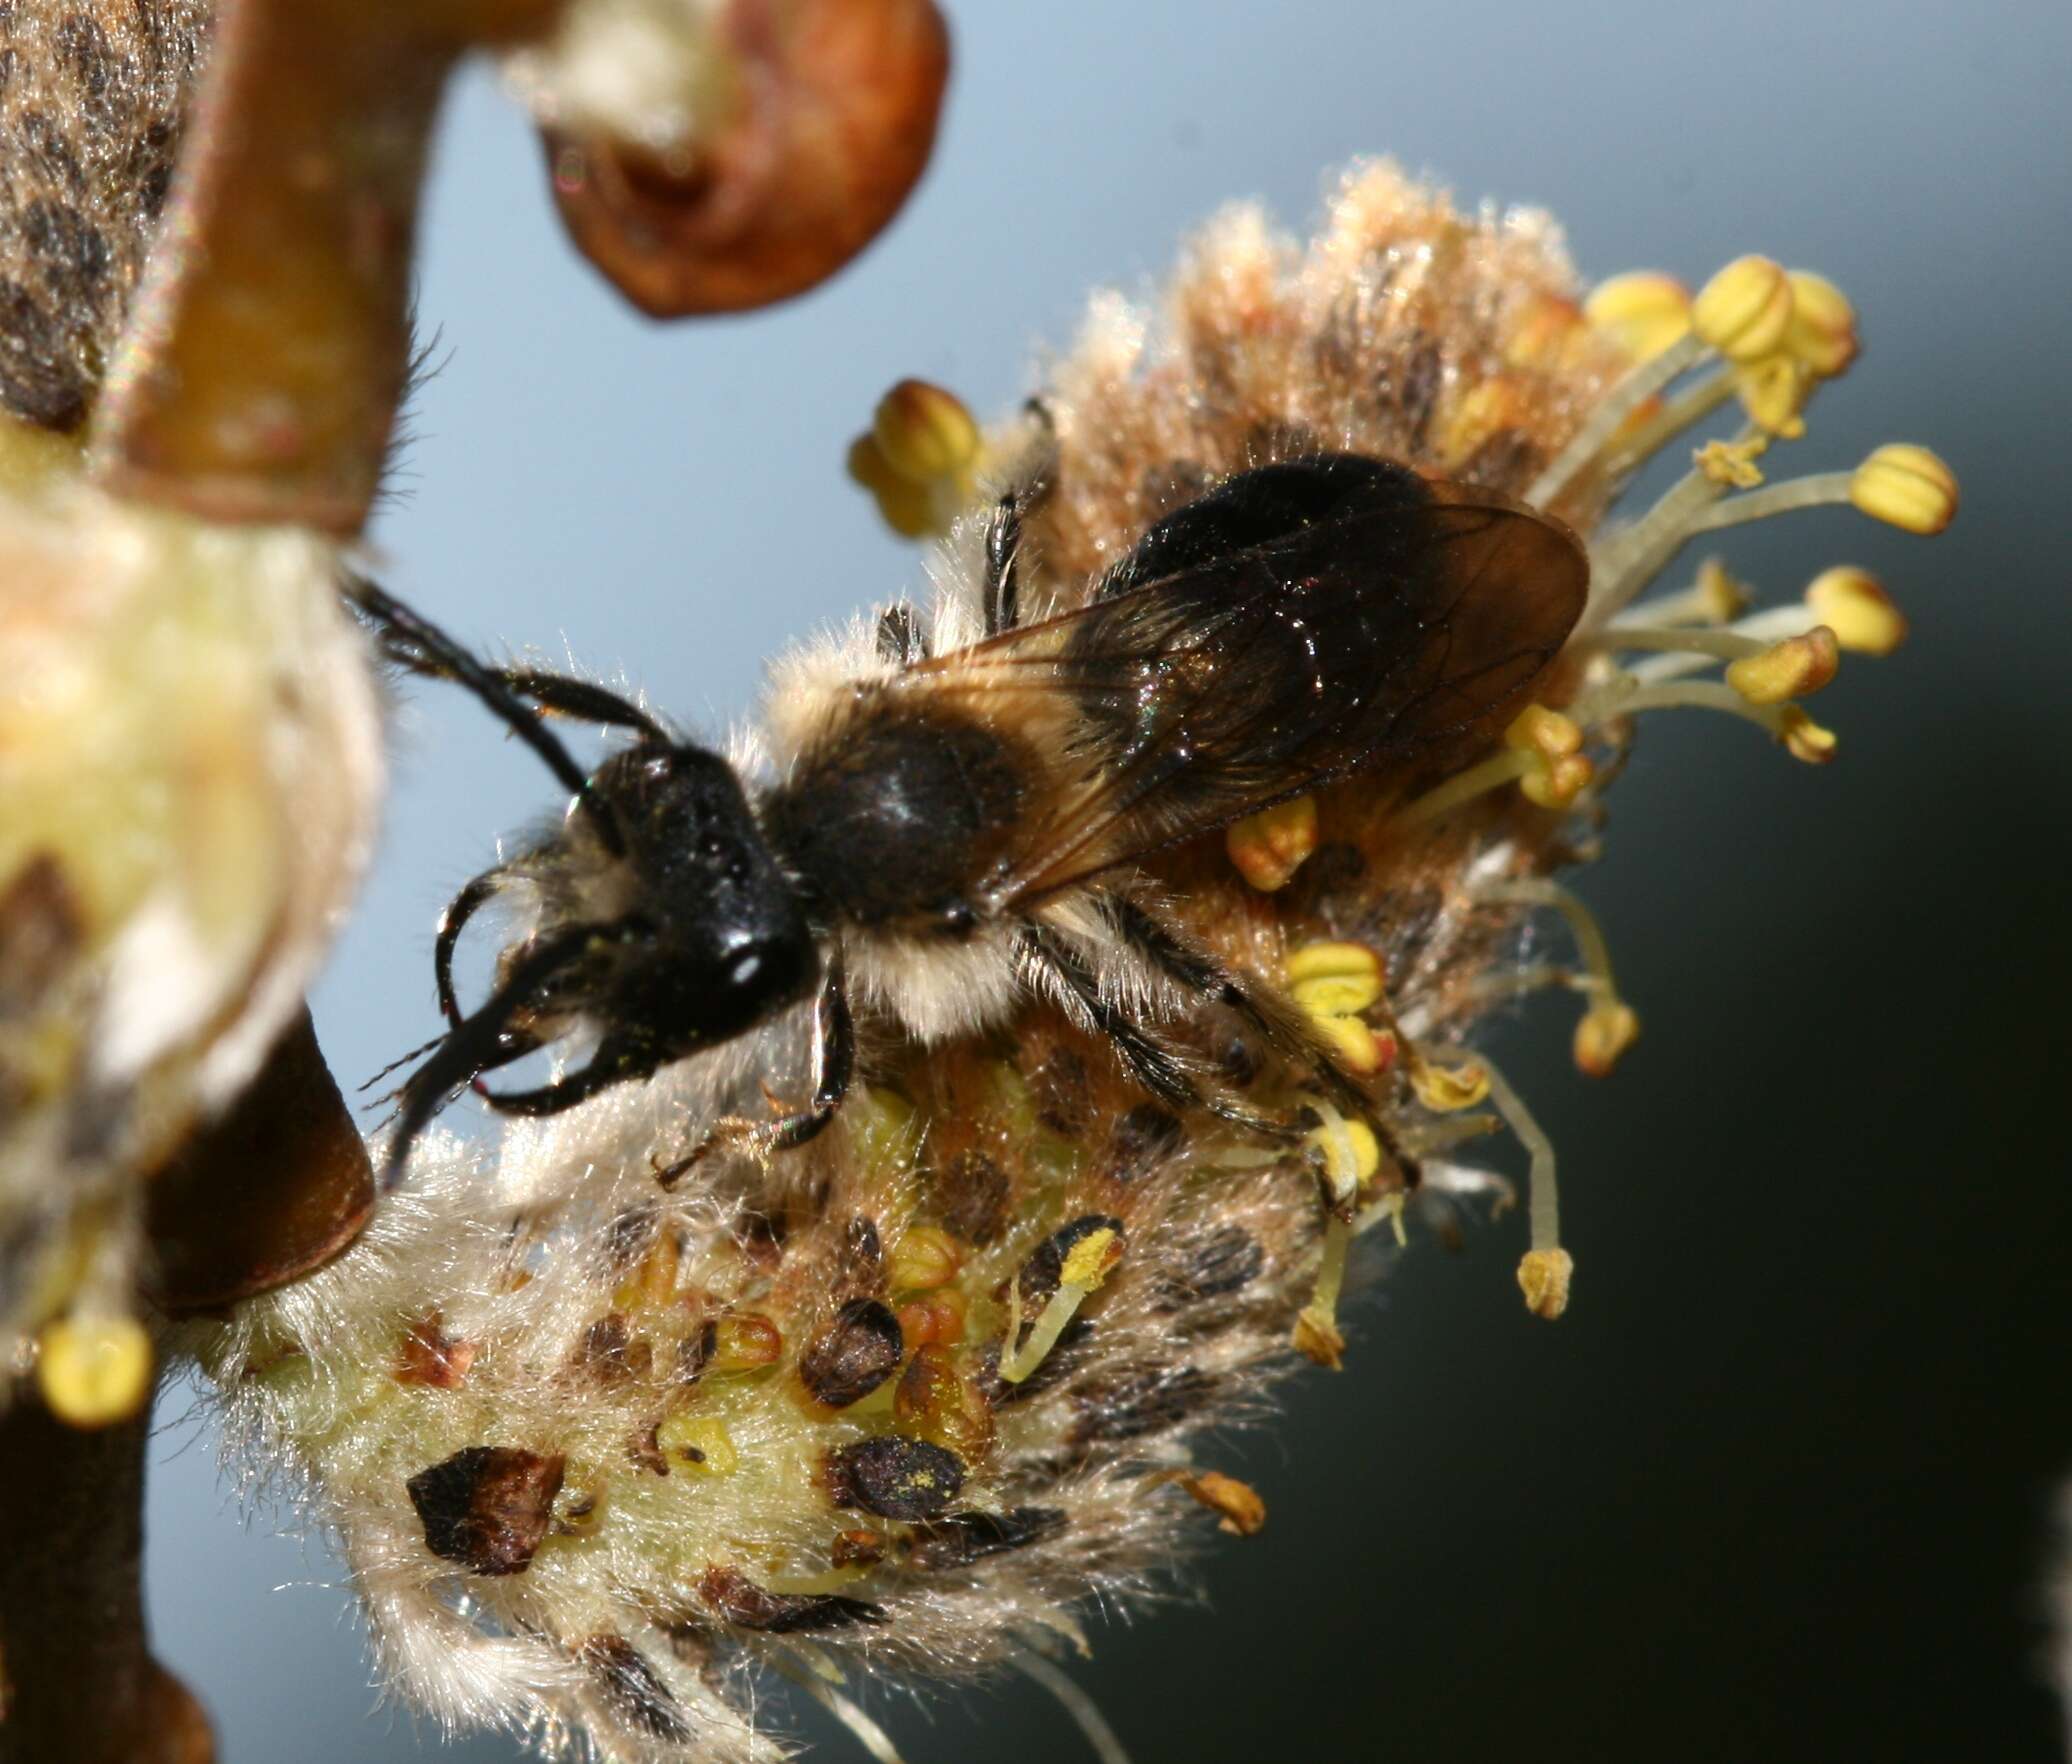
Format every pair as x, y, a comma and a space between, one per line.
1486, 409
925, 433
94, 1371
1358, 1045
924, 1258
1907, 487
1822, 333
1243, 1512
1603, 1033
1774, 391
1723, 598
1350, 1151
1269, 847
1547, 334
1559, 772
1088, 1261
698, 1442
1444, 1089
1804, 739
1334, 979
1547, 733
1333, 983
1851, 603
1643, 312
1789, 669
1317, 1339
908, 509
1731, 463
1544, 1276
1745, 310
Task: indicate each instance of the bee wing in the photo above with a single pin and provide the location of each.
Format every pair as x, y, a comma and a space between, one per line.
1244, 678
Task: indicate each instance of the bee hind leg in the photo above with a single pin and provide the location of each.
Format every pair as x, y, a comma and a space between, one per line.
1153, 1064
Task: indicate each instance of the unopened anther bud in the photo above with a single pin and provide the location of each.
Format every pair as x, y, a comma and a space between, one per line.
1852, 604
1788, 669
1269, 847
926, 1256
1334, 979
1745, 309
1906, 486
1560, 771
698, 1442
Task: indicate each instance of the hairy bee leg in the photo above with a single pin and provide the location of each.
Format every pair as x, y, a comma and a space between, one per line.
1002, 593
834, 1068
459, 911
416, 643
900, 638
1173, 956
478, 1044
1150, 1061
613, 1062
562, 695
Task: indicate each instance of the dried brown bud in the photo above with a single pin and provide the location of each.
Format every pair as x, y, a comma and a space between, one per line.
487, 1507
832, 121
895, 1478
854, 1353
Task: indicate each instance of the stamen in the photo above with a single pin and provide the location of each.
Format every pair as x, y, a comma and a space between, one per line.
1606, 420
1086, 1266
1544, 1271
1610, 1026
873, 1738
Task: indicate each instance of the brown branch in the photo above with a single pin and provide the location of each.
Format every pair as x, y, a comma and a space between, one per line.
77, 1681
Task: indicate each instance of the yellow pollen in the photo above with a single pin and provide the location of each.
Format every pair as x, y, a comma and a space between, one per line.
1722, 597
1088, 1262
1731, 463
1774, 391
1906, 486
1745, 310
1852, 604
1544, 1276
1333, 983
1269, 847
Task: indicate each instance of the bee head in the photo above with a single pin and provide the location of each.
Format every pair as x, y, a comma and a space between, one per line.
728, 941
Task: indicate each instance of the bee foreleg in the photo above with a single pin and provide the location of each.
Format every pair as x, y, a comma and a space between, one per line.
477, 1044
562, 695
834, 1067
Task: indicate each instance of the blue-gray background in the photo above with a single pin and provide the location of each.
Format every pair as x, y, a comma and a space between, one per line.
1779, 1485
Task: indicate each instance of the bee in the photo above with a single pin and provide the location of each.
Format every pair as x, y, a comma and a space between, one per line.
948, 834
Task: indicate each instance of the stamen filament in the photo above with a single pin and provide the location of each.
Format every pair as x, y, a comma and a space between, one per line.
1685, 411
1812, 491
1582, 924
1588, 443
1085, 1712
1543, 1207
1500, 768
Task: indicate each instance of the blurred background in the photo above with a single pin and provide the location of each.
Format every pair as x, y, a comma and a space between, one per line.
1781, 1484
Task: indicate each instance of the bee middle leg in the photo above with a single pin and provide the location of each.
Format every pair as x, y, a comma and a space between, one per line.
834, 1067
1002, 590
1150, 1061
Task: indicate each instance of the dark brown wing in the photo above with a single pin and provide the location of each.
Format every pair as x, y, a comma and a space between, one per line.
1397, 617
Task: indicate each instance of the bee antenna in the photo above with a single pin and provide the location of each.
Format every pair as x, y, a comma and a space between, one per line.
414, 642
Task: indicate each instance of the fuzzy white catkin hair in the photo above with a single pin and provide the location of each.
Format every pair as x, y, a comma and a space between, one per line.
905, 1399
